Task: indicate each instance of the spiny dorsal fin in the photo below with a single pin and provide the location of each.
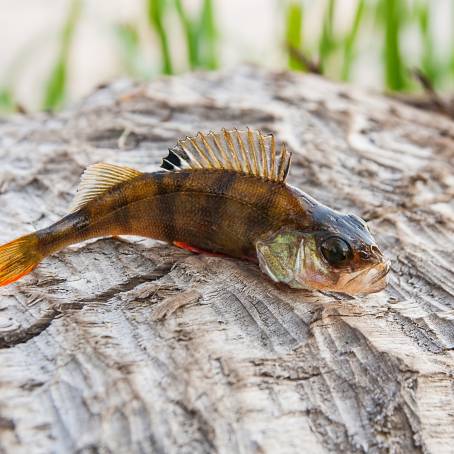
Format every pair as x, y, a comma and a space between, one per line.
249, 152
98, 179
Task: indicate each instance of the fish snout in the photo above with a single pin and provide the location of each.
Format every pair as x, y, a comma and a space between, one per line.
372, 254
376, 253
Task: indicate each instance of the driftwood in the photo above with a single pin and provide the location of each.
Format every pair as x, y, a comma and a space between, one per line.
130, 345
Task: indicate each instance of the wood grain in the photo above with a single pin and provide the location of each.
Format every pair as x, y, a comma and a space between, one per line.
129, 345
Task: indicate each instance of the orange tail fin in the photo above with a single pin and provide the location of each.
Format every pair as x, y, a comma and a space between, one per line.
18, 258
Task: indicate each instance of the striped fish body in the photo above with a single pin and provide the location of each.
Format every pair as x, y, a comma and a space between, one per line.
214, 210
220, 192
223, 193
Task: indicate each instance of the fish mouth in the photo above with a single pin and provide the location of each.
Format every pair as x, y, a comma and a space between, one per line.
370, 280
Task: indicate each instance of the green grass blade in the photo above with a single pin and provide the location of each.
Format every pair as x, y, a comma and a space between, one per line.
55, 90
379, 13
327, 42
7, 103
129, 49
451, 63
56, 86
208, 33
293, 32
350, 40
429, 64
156, 13
190, 29
395, 70
201, 35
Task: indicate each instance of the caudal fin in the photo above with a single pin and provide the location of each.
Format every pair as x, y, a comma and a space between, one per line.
18, 258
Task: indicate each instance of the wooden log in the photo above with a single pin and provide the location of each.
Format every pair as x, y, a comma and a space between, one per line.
130, 345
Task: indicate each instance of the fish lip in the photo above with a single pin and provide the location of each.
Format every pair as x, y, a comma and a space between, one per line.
383, 274
374, 284
355, 276
380, 281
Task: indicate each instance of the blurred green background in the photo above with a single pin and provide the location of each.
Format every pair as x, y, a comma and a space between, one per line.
53, 52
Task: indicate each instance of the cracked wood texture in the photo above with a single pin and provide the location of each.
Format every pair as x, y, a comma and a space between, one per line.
130, 345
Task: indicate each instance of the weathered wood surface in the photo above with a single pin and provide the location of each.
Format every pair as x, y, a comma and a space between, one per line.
92, 356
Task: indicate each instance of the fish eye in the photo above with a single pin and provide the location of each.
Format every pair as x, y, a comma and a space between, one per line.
336, 251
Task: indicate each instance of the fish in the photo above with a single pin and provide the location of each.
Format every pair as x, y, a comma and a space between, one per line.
221, 193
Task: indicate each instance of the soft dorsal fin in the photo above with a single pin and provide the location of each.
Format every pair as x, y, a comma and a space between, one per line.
98, 179
248, 152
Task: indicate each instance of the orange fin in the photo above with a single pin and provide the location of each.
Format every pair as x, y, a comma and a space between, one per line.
196, 250
18, 258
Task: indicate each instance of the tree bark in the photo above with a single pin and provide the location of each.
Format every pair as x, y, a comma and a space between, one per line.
130, 345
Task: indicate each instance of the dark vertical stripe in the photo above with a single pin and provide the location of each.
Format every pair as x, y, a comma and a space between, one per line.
165, 206
171, 185
118, 204
222, 184
187, 228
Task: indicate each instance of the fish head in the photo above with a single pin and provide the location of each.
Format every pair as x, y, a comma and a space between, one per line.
337, 253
